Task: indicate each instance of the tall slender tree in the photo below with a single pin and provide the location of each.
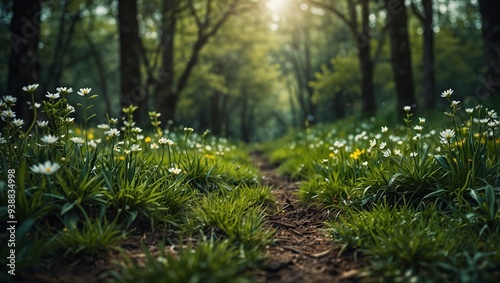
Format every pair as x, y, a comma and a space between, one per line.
491, 36
132, 92
24, 65
400, 53
425, 15
209, 16
362, 41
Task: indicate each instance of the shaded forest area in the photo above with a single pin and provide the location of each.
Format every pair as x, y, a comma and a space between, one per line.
250, 69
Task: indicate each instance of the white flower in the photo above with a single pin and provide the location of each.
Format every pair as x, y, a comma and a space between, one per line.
175, 171
188, 130
92, 144
46, 168
447, 135
18, 122
37, 105
8, 114
69, 120
103, 126
64, 90
492, 113
136, 130
484, 121
384, 129
421, 120
447, 93
154, 146
165, 141
128, 124
112, 132
469, 110
455, 103
373, 143
364, 163
492, 123
2, 139
9, 99
397, 152
386, 153
135, 148
113, 121
30, 88
49, 139
77, 140
413, 154
84, 91
418, 128
407, 108
42, 124
70, 109
383, 145
52, 95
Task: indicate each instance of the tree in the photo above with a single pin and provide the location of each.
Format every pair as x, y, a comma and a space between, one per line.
362, 41
24, 65
491, 37
400, 53
426, 17
209, 16
131, 90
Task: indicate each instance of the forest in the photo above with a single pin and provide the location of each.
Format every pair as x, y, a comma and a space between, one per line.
252, 69
250, 141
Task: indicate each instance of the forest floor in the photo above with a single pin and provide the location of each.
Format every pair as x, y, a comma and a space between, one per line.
301, 251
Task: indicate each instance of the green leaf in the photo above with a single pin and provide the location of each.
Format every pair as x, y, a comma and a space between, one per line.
442, 161
67, 207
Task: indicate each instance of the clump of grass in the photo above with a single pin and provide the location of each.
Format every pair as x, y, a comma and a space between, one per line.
407, 244
80, 190
208, 261
90, 240
236, 216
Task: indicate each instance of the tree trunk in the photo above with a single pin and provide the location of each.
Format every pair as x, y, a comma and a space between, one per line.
369, 106
169, 92
362, 40
215, 114
400, 53
165, 93
426, 17
131, 90
491, 36
24, 65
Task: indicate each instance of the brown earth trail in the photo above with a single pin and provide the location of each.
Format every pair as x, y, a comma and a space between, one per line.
302, 252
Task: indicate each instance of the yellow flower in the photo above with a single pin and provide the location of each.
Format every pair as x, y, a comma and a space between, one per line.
209, 156
90, 136
147, 139
356, 153
331, 155
122, 158
78, 131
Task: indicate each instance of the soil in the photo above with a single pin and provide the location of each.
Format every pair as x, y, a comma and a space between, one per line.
301, 251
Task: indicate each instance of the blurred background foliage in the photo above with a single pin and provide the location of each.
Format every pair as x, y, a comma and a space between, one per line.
252, 69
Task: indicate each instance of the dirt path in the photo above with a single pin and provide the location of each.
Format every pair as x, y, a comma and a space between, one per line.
302, 252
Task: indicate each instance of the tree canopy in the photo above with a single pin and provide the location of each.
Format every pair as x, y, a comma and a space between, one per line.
250, 69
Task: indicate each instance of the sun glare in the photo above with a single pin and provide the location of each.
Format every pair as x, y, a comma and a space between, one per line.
275, 5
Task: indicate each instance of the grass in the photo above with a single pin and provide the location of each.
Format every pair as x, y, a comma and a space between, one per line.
419, 200
80, 191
